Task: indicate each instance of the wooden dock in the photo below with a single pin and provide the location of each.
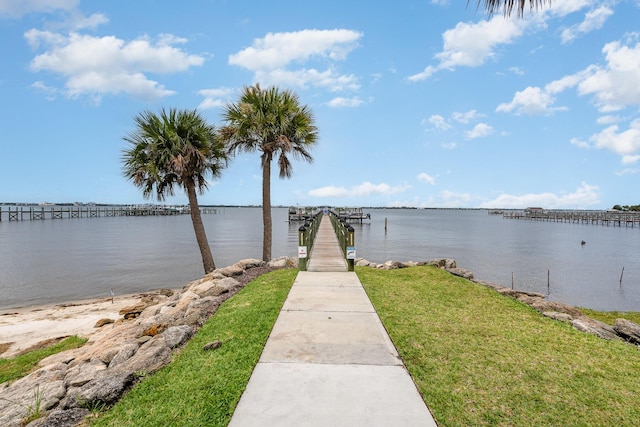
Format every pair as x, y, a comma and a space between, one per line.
619, 219
34, 213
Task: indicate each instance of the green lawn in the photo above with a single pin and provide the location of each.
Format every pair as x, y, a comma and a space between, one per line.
479, 358
202, 388
19, 366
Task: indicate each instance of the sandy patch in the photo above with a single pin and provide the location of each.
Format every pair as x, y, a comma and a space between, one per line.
23, 328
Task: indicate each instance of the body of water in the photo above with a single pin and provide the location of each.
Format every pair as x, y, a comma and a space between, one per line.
54, 261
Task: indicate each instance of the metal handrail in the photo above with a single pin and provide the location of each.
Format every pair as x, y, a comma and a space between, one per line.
346, 238
306, 236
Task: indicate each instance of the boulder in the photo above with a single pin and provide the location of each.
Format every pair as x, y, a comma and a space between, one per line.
151, 356
47, 384
250, 263
100, 323
627, 330
62, 418
282, 262
232, 270
562, 317
460, 272
212, 345
104, 390
125, 352
175, 336
80, 374
595, 327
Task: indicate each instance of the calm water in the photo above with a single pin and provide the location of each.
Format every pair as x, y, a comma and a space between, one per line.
63, 260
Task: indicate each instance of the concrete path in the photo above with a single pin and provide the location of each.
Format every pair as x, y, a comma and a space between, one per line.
330, 362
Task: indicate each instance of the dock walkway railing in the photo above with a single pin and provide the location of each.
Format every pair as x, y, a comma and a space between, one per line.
306, 236
346, 238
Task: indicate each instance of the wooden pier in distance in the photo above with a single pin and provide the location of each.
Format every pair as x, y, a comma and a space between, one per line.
306, 213
627, 219
34, 213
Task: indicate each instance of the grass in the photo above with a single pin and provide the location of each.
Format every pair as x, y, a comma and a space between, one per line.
202, 388
479, 358
19, 366
609, 317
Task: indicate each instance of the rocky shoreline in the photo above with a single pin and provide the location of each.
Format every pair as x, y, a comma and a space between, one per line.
68, 384
121, 351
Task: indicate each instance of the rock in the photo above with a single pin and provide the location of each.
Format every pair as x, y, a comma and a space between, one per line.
460, 272
81, 374
562, 317
177, 335
361, 262
212, 345
151, 356
154, 330
544, 305
124, 353
392, 265
15, 398
133, 311
62, 418
166, 292
104, 390
627, 330
282, 262
446, 263
595, 327
246, 264
100, 323
232, 270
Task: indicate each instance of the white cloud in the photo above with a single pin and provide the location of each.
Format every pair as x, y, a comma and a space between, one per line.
593, 20
272, 57
450, 145
215, 98
466, 117
531, 101
480, 130
628, 171
625, 143
341, 102
364, 189
18, 8
580, 143
585, 196
471, 44
95, 66
439, 122
630, 159
618, 84
614, 86
426, 178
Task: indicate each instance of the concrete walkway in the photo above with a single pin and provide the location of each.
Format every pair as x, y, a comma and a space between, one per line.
329, 360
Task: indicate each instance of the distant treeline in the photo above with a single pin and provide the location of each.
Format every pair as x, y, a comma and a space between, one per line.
635, 208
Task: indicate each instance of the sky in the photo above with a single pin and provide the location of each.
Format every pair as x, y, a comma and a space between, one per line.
418, 103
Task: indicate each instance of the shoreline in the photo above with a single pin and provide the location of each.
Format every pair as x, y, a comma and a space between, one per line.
25, 327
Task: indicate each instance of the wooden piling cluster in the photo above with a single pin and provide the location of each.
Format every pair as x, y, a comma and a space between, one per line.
33, 213
627, 219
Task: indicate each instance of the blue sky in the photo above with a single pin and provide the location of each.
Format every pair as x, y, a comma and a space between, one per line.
425, 103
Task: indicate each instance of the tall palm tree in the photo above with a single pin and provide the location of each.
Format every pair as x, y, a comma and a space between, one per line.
273, 123
176, 147
491, 6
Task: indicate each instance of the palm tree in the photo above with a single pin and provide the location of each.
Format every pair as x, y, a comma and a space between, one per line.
491, 6
273, 123
176, 147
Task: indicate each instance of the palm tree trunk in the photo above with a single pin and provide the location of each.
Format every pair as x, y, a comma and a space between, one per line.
266, 207
198, 228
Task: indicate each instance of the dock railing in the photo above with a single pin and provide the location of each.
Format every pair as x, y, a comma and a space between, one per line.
306, 236
346, 238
